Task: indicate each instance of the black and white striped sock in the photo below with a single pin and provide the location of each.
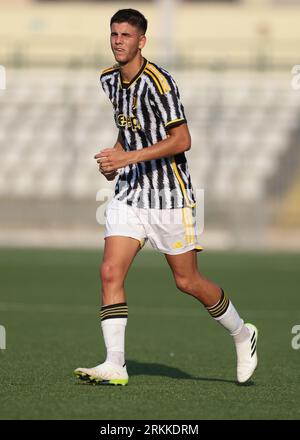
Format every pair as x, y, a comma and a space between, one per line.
225, 313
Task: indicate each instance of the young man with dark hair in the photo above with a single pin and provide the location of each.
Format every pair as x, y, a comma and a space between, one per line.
155, 195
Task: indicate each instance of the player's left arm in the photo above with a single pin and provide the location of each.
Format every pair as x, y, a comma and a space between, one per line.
178, 141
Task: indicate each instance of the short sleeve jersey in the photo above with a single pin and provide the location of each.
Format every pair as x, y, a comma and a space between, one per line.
144, 110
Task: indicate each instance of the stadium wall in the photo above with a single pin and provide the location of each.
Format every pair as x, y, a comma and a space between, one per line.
244, 35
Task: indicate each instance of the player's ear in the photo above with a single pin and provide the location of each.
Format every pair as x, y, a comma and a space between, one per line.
142, 41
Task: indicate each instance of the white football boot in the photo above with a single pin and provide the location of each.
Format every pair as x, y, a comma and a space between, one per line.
104, 374
247, 355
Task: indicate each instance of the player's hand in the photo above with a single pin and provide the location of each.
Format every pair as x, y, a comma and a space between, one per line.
109, 176
111, 159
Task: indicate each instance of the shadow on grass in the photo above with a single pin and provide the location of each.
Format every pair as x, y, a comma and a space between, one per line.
152, 369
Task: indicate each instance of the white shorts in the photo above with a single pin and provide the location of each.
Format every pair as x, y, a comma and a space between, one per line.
170, 231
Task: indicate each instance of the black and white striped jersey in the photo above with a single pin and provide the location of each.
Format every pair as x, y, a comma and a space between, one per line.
144, 110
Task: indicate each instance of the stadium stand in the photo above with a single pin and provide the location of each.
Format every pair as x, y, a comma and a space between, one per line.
243, 114
289, 213
54, 121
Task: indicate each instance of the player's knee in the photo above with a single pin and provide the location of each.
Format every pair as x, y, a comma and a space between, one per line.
110, 274
183, 283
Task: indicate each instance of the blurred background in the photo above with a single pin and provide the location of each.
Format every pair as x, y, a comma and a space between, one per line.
233, 63
237, 64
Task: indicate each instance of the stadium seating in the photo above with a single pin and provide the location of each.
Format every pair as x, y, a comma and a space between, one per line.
288, 215
54, 121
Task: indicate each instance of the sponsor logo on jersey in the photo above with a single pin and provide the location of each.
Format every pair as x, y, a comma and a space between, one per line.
130, 122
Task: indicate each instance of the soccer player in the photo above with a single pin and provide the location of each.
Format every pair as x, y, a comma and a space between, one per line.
154, 199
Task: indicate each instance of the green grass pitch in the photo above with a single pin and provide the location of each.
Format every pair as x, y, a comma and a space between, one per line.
180, 362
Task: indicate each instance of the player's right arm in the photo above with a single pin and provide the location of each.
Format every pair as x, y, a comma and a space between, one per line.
119, 143
110, 175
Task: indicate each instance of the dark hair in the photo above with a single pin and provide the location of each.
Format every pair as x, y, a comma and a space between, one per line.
131, 16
